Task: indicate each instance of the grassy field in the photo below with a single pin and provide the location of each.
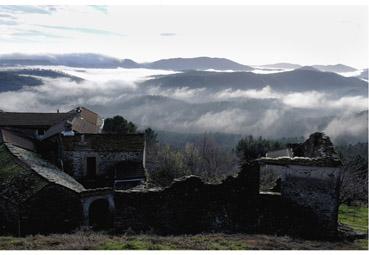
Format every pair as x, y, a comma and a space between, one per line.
356, 217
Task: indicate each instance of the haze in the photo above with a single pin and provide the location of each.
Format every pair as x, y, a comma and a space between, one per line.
247, 34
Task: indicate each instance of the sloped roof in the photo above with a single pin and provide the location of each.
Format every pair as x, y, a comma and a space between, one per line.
13, 137
83, 120
23, 173
45, 169
90, 116
17, 183
31, 119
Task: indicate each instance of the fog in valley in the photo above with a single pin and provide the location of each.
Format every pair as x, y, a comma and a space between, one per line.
134, 93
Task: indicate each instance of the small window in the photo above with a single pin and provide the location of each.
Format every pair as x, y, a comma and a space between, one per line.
40, 132
91, 167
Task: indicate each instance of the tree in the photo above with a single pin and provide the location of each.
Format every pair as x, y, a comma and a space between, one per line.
171, 165
119, 125
354, 177
249, 148
151, 138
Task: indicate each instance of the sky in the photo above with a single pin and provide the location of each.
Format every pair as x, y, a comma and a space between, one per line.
247, 34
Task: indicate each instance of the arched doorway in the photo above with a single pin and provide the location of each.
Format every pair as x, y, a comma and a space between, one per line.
100, 215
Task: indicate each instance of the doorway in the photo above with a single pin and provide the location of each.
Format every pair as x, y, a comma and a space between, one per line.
100, 216
91, 167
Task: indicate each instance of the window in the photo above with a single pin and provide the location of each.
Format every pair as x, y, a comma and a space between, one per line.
40, 132
91, 167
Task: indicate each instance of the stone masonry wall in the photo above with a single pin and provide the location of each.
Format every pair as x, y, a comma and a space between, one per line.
191, 206
314, 190
306, 207
75, 161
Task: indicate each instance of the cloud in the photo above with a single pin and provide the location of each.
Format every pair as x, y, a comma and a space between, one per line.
265, 92
310, 99
100, 8
307, 100
7, 16
351, 127
81, 30
31, 33
168, 34
8, 22
30, 9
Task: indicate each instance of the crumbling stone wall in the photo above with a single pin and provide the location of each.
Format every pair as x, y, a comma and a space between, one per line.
9, 217
312, 192
306, 207
54, 209
191, 206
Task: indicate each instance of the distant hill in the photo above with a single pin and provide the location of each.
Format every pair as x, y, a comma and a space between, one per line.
90, 60
200, 63
23, 62
363, 75
11, 80
339, 68
281, 66
296, 80
309, 68
83, 60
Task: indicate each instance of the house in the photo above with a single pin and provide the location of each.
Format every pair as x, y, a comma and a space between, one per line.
43, 125
58, 170
73, 142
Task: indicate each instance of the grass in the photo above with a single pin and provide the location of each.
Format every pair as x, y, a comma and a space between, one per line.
355, 217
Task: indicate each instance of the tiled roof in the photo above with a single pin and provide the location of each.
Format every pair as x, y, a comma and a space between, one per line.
47, 170
23, 173
82, 120
90, 116
31, 119
17, 183
13, 137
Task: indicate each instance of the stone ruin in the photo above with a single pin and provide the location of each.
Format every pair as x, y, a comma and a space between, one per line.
306, 204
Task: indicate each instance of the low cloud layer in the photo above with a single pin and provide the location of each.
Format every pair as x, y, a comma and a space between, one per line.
259, 112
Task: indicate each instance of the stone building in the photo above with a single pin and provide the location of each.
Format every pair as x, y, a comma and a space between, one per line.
73, 142
101, 160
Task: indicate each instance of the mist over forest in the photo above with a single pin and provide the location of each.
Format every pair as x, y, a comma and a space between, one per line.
272, 102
